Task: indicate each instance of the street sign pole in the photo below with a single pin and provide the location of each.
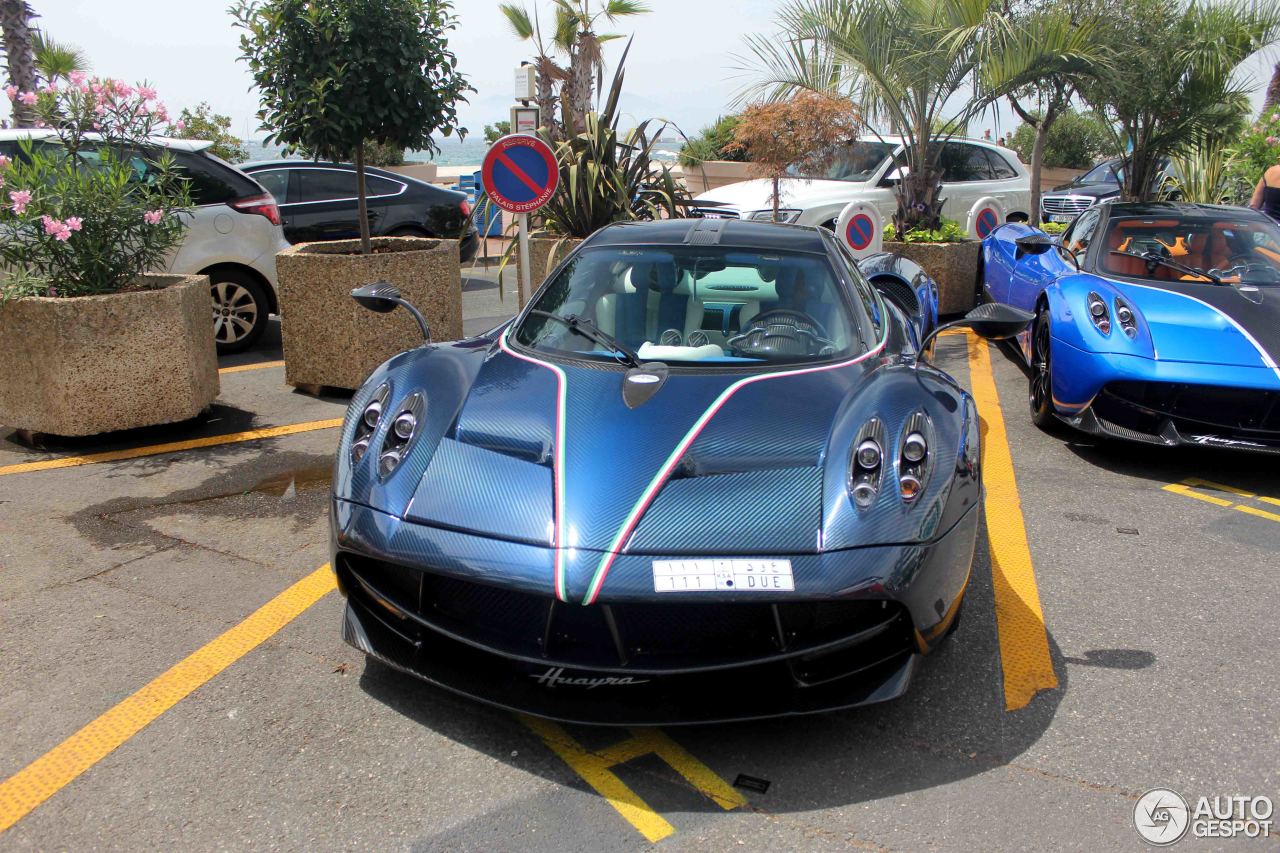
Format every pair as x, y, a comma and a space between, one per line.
526, 274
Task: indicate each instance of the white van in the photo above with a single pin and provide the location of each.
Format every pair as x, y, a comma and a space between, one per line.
865, 171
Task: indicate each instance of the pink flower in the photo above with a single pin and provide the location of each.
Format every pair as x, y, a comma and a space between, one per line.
77, 78
74, 223
122, 88
180, 124
11, 91
153, 217
51, 88
1275, 116
28, 98
161, 114
20, 199
60, 231
1272, 140
4, 161
146, 93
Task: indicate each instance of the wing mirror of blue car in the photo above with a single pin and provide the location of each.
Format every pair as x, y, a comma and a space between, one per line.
384, 297
994, 321
1033, 244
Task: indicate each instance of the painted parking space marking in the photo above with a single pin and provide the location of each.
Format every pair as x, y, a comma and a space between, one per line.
167, 447
1188, 489
1024, 641
241, 368
595, 768
48, 774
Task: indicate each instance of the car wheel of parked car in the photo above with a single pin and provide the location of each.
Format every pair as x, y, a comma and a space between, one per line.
979, 288
240, 309
1040, 390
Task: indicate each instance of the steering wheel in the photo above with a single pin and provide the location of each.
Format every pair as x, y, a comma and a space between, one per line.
781, 332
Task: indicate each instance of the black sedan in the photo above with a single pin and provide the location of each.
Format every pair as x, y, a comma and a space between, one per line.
317, 201
1100, 183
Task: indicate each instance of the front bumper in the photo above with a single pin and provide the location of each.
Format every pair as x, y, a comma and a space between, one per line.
450, 617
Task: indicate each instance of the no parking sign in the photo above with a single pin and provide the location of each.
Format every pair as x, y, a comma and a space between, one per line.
985, 216
520, 173
861, 228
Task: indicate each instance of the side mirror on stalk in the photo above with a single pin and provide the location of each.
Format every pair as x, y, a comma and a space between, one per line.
383, 297
1033, 244
994, 321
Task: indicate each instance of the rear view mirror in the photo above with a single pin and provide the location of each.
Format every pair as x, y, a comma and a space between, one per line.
384, 297
1033, 244
994, 321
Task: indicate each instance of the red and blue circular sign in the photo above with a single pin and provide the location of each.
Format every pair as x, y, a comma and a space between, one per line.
859, 231
520, 173
987, 222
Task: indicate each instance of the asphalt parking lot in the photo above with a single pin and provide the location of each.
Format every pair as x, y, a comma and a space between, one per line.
173, 672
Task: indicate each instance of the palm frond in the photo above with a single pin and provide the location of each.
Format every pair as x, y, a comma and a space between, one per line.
518, 19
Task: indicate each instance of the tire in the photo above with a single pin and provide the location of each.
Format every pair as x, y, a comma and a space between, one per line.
1040, 382
240, 309
980, 291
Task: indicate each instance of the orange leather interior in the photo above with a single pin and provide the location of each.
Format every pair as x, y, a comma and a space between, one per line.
1203, 251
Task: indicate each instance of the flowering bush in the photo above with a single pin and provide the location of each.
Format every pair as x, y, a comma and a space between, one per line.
1252, 154
93, 203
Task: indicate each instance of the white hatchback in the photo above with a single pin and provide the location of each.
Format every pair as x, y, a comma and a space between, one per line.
864, 171
233, 236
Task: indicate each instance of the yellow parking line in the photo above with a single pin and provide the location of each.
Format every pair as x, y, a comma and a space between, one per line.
1209, 484
1024, 642
594, 768
261, 365
1186, 490
49, 773
1261, 513
168, 447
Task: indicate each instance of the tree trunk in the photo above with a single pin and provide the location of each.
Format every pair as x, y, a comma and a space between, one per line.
547, 97
362, 205
15, 21
1273, 90
1037, 161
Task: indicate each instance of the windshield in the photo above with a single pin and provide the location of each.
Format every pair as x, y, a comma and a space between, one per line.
856, 161
695, 305
1230, 250
1103, 173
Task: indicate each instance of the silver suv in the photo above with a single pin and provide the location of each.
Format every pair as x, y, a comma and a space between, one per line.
233, 237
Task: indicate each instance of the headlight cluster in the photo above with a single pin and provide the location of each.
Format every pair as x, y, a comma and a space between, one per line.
402, 432
784, 215
1125, 315
1099, 314
867, 460
370, 418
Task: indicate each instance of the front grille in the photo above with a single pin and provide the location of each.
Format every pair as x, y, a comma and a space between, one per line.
1146, 406
1065, 205
639, 636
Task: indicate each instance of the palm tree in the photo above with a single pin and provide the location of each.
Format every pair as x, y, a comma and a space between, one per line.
575, 37
1177, 89
56, 60
915, 66
15, 22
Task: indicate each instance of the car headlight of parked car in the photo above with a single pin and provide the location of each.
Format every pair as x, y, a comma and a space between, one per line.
787, 215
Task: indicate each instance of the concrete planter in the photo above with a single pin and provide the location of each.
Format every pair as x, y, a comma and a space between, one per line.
954, 266
544, 254
712, 174
329, 340
92, 364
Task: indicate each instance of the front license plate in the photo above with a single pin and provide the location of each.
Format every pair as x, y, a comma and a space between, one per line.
1059, 217
722, 576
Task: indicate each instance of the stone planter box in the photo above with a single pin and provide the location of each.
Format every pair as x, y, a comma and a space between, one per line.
93, 364
954, 266
713, 174
329, 340
544, 254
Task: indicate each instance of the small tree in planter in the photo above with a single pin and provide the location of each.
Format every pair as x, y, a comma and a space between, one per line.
86, 212
335, 75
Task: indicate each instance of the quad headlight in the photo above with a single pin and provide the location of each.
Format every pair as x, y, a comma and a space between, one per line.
1099, 314
367, 425
913, 457
865, 463
404, 430
1126, 317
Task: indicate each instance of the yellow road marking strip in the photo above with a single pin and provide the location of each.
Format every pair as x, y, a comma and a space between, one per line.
1186, 491
49, 773
261, 365
594, 768
1275, 501
1261, 513
1024, 642
168, 447
1209, 484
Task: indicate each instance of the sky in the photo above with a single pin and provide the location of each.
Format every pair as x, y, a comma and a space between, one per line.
682, 64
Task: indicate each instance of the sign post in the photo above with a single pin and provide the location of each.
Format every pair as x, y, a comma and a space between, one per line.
520, 174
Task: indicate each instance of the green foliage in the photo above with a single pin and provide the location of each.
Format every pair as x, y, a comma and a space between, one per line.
1253, 152
56, 60
1052, 228
497, 130
378, 154
1176, 87
946, 232
714, 142
1075, 141
85, 214
1202, 173
203, 123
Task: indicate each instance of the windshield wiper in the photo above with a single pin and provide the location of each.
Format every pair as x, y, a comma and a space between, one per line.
592, 332
1153, 258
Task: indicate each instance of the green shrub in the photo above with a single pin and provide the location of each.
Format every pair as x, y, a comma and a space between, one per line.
714, 143
1254, 152
1076, 141
1054, 227
204, 124
948, 232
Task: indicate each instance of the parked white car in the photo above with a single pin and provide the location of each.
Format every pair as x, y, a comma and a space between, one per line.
865, 171
233, 237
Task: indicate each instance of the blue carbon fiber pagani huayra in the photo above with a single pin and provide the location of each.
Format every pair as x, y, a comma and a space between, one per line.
1155, 322
703, 476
